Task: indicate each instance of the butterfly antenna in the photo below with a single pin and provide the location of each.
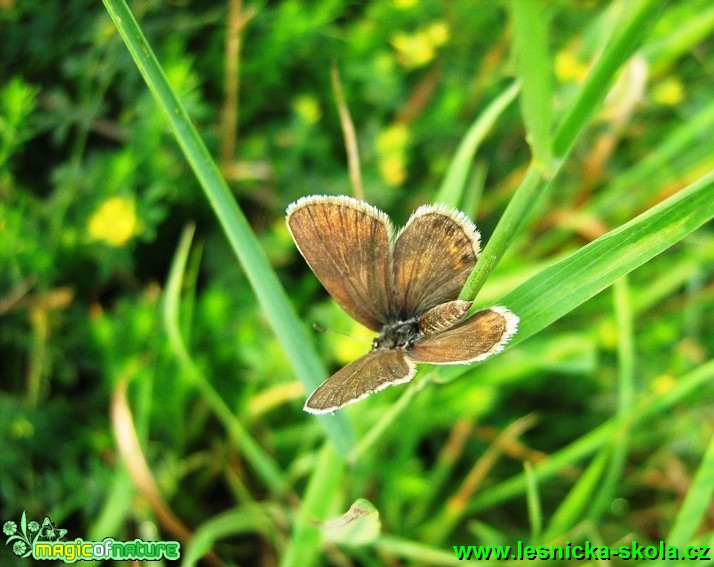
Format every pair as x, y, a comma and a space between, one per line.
321, 329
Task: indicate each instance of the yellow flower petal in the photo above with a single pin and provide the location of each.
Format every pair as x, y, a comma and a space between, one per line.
438, 33
393, 139
308, 108
392, 145
669, 92
114, 222
393, 170
568, 68
414, 50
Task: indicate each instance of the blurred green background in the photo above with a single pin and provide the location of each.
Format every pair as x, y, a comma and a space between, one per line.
146, 393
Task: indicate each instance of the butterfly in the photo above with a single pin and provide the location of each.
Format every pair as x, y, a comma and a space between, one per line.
404, 287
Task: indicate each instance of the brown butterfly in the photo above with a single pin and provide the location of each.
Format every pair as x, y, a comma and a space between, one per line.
405, 288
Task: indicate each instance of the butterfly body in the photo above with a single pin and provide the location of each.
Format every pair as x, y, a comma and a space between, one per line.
400, 334
404, 287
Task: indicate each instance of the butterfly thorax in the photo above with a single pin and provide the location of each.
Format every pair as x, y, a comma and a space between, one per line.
400, 334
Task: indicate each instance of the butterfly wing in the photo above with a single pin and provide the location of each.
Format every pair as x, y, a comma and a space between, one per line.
346, 243
443, 316
478, 337
433, 256
368, 374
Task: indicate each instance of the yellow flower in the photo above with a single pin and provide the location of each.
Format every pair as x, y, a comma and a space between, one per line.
392, 145
669, 92
438, 33
568, 68
418, 49
393, 139
404, 4
307, 108
413, 50
393, 170
114, 221
663, 383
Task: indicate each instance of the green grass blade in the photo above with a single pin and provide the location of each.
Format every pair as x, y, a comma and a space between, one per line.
533, 501
635, 17
273, 299
681, 41
696, 503
454, 183
616, 53
319, 494
264, 466
576, 502
518, 208
416, 553
625, 398
562, 287
249, 519
533, 66
591, 442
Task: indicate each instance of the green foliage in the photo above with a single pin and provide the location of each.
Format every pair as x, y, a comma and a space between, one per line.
156, 315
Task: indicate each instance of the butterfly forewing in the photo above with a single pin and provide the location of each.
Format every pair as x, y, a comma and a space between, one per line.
368, 374
346, 243
478, 337
433, 256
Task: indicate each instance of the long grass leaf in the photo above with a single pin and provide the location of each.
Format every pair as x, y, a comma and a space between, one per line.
321, 488
616, 53
262, 463
273, 299
625, 399
696, 503
533, 66
648, 408
452, 187
571, 508
249, 519
559, 289
533, 502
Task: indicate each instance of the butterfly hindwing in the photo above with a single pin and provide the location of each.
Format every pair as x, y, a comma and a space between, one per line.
443, 316
368, 374
478, 337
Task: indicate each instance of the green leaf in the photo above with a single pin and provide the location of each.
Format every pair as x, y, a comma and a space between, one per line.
696, 502
559, 289
454, 183
533, 501
580, 496
534, 67
266, 468
321, 488
634, 20
289, 330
